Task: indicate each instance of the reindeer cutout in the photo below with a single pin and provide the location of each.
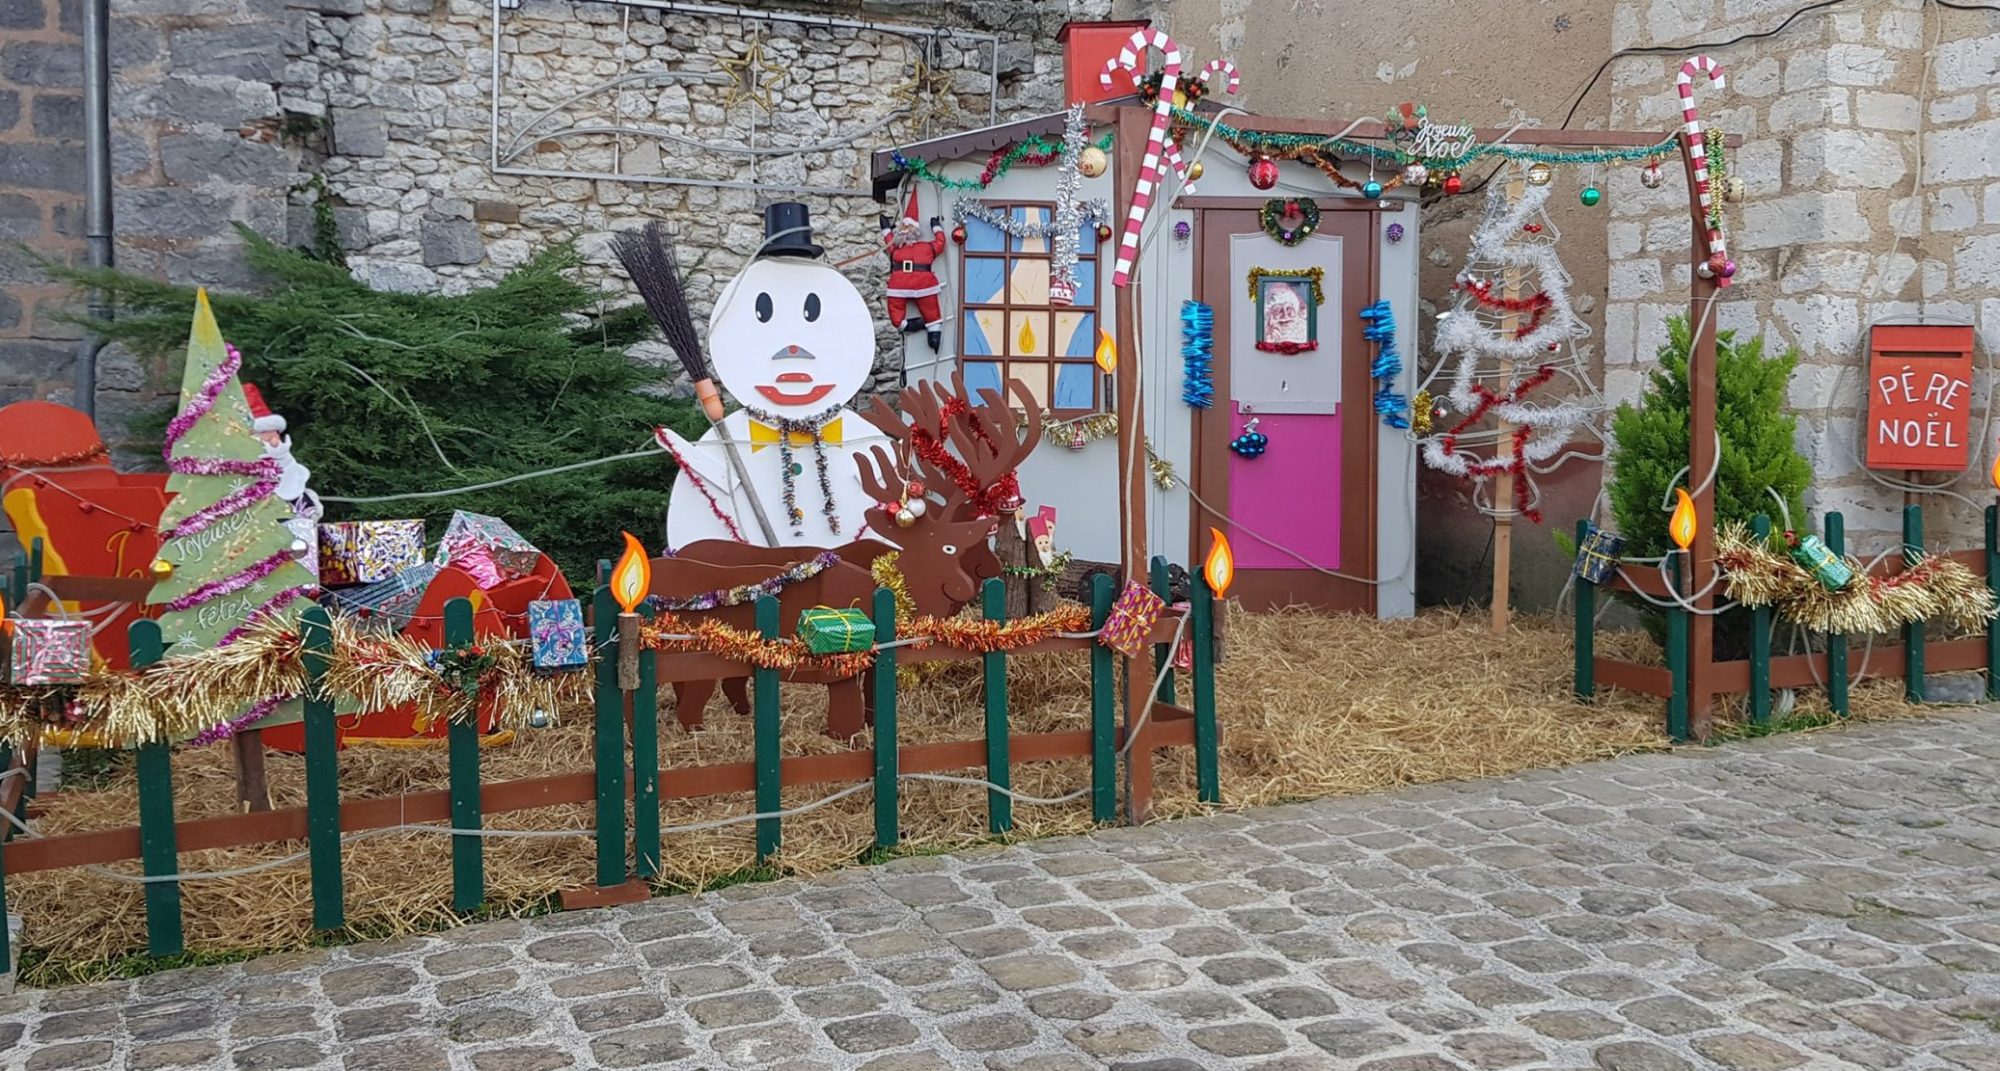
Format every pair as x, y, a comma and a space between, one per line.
943, 553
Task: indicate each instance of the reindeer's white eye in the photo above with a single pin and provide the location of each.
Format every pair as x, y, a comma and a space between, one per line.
949, 549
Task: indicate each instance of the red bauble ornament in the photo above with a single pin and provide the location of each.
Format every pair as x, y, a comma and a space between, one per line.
1453, 184
1263, 172
1104, 232
958, 235
916, 488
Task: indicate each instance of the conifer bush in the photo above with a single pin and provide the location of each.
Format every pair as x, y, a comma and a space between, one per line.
393, 393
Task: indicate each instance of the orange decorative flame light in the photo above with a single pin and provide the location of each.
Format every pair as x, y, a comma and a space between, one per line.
6, 626
633, 575
1996, 470
1107, 352
1681, 527
1220, 568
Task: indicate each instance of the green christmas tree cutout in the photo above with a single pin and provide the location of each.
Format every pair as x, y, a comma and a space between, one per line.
223, 532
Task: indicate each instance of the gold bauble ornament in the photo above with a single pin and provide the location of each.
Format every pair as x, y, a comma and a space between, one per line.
1091, 162
1194, 171
161, 568
1732, 189
1539, 174
905, 518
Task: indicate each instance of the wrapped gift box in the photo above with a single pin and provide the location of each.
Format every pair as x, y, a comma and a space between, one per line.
1597, 556
50, 651
387, 604
362, 552
1128, 629
487, 548
826, 630
556, 627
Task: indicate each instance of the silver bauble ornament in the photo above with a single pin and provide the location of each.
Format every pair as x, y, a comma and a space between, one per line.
538, 719
917, 507
1414, 174
1091, 162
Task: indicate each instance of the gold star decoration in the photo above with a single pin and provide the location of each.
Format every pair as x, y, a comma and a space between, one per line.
927, 95
749, 76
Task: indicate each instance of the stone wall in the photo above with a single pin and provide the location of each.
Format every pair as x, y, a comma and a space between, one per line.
1873, 191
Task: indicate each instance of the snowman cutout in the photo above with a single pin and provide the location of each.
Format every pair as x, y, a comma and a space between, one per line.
792, 339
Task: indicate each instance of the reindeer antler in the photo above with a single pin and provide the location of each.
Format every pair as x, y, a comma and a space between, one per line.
989, 425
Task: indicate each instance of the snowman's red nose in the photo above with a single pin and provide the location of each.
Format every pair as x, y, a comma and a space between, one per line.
791, 349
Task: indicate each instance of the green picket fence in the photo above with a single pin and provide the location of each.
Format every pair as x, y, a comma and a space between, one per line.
626, 776
1912, 659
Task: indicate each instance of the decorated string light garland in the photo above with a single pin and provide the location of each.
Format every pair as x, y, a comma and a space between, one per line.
1929, 588
1285, 146
1030, 152
1094, 211
746, 593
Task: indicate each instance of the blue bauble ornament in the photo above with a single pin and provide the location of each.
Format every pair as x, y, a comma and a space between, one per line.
1371, 189
1252, 443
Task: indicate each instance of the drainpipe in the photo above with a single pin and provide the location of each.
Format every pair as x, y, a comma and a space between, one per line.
96, 186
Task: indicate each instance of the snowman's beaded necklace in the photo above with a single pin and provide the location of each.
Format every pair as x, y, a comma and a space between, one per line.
814, 427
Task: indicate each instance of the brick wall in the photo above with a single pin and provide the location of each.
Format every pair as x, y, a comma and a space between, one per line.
1836, 113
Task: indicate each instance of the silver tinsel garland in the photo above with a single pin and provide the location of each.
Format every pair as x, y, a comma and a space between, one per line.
1063, 253
999, 220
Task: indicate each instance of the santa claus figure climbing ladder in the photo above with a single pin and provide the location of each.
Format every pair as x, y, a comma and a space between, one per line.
911, 274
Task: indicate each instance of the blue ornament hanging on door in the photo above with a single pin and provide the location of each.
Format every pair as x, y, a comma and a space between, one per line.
1252, 443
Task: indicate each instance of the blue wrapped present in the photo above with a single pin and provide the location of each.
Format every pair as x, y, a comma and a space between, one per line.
556, 628
386, 604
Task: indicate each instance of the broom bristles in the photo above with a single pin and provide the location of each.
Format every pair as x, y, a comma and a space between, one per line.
648, 257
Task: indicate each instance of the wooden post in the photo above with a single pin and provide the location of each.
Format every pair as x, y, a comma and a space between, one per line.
1103, 710
764, 729
6, 938
1584, 682
253, 786
1503, 484
1015, 554
888, 764
158, 851
1700, 566
468, 854
322, 777
1913, 633
1836, 645
1162, 653
999, 769
609, 752
1133, 125
1760, 640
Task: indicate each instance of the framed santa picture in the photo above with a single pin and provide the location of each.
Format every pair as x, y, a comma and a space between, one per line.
1287, 309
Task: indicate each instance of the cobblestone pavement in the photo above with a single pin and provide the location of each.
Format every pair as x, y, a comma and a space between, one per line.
1824, 900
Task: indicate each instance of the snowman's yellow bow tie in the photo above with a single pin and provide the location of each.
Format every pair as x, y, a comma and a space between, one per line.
763, 435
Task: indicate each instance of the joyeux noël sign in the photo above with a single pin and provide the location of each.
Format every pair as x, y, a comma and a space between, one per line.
1920, 397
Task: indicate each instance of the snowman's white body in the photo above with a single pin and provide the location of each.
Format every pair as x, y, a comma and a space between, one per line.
792, 338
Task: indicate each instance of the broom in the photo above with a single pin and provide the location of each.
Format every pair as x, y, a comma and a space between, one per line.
648, 257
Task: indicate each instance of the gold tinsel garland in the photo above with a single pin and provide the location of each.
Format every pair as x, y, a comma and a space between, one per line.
1930, 588
1075, 432
669, 633
180, 696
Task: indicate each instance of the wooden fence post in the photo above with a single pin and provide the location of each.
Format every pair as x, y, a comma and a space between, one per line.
1584, 683
1913, 633
34, 563
158, 854
1993, 585
999, 805
1207, 756
1103, 709
646, 767
1163, 653
1677, 655
1760, 640
6, 938
322, 777
468, 853
888, 765
610, 746
1836, 645
765, 731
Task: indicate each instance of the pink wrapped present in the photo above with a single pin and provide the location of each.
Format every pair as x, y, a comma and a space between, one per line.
48, 651
506, 556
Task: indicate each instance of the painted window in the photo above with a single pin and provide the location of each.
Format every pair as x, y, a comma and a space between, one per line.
1010, 330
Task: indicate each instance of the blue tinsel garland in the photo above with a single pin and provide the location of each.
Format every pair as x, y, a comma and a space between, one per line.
1197, 345
1381, 330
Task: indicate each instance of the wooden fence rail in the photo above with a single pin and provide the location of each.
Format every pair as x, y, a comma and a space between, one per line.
1913, 659
626, 781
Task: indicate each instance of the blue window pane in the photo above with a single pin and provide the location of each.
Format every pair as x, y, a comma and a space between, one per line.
981, 238
1086, 241
1083, 341
984, 276
1036, 217
1073, 386
1086, 282
976, 341
981, 375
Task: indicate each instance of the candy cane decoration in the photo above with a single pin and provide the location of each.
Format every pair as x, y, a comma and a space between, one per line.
1221, 66
1171, 152
1718, 266
1149, 168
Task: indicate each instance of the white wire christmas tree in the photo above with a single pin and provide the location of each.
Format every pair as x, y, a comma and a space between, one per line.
1521, 390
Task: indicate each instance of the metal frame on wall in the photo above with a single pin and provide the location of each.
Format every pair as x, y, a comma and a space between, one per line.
924, 42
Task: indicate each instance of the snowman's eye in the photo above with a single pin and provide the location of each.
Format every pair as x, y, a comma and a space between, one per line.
812, 307
763, 308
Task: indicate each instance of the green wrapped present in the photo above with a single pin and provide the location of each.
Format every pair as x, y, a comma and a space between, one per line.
826, 630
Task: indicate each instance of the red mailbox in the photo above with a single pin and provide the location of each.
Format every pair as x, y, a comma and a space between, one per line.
1919, 396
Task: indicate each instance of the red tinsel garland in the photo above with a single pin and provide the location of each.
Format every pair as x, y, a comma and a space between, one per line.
986, 500
1516, 462
1536, 305
1289, 348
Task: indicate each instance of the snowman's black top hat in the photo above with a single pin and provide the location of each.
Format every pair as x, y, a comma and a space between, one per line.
788, 231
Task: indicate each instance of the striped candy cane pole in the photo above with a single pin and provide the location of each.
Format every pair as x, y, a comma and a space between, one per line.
1149, 169
1717, 265
1171, 153
1219, 66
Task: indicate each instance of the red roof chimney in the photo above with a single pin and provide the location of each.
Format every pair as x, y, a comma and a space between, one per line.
1087, 47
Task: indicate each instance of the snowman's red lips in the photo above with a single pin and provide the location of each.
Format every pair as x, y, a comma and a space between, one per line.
804, 397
